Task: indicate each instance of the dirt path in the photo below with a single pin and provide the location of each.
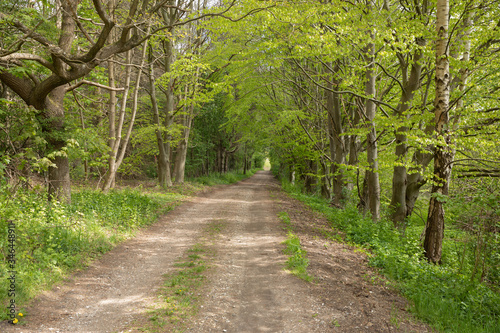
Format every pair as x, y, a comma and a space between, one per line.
248, 291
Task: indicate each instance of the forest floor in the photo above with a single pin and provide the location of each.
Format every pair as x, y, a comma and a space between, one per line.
246, 288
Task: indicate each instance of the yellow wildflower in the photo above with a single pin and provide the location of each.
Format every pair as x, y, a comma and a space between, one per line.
15, 321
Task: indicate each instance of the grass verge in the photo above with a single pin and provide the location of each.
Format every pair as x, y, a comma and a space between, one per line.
441, 295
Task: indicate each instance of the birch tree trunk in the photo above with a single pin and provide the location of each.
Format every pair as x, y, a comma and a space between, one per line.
434, 228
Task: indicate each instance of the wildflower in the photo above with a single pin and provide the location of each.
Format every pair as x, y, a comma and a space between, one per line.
20, 314
15, 321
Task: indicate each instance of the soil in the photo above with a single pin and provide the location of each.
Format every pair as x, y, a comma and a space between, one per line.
248, 289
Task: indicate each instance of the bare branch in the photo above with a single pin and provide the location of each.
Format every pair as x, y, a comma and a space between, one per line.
80, 25
391, 76
101, 12
376, 101
27, 56
78, 84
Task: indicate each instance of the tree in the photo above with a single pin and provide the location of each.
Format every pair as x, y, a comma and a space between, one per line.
55, 44
60, 63
117, 142
443, 156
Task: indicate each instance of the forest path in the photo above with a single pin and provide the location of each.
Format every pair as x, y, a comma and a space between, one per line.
247, 291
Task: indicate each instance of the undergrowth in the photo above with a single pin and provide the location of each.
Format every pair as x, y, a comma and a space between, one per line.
54, 239
441, 295
226, 178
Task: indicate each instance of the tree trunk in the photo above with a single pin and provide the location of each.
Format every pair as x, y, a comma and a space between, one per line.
112, 135
119, 143
354, 145
434, 229
59, 187
370, 108
59, 180
415, 179
164, 177
399, 179
181, 153
363, 195
337, 152
245, 161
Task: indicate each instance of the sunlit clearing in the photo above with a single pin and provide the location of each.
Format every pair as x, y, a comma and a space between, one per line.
267, 164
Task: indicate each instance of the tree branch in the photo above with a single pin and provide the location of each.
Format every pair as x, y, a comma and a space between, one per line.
95, 84
27, 56
376, 101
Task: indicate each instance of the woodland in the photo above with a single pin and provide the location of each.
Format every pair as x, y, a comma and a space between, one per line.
383, 114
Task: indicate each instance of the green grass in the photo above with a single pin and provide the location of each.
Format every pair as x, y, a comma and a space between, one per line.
297, 261
54, 239
443, 296
179, 298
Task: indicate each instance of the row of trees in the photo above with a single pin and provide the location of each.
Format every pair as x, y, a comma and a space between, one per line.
92, 86
377, 98
349, 92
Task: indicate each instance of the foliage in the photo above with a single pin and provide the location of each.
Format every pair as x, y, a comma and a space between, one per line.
226, 178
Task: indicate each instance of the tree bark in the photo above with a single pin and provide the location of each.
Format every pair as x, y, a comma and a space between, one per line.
53, 105
337, 147
163, 160
110, 175
372, 152
399, 179
59, 187
119, 144
181, 152
415, 178
434, 229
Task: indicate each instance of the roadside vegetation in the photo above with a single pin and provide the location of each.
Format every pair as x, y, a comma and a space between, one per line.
461, 294
55, 239
297, 261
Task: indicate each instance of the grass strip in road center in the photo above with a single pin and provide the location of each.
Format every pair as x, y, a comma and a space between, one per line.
181, 294
297, 261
